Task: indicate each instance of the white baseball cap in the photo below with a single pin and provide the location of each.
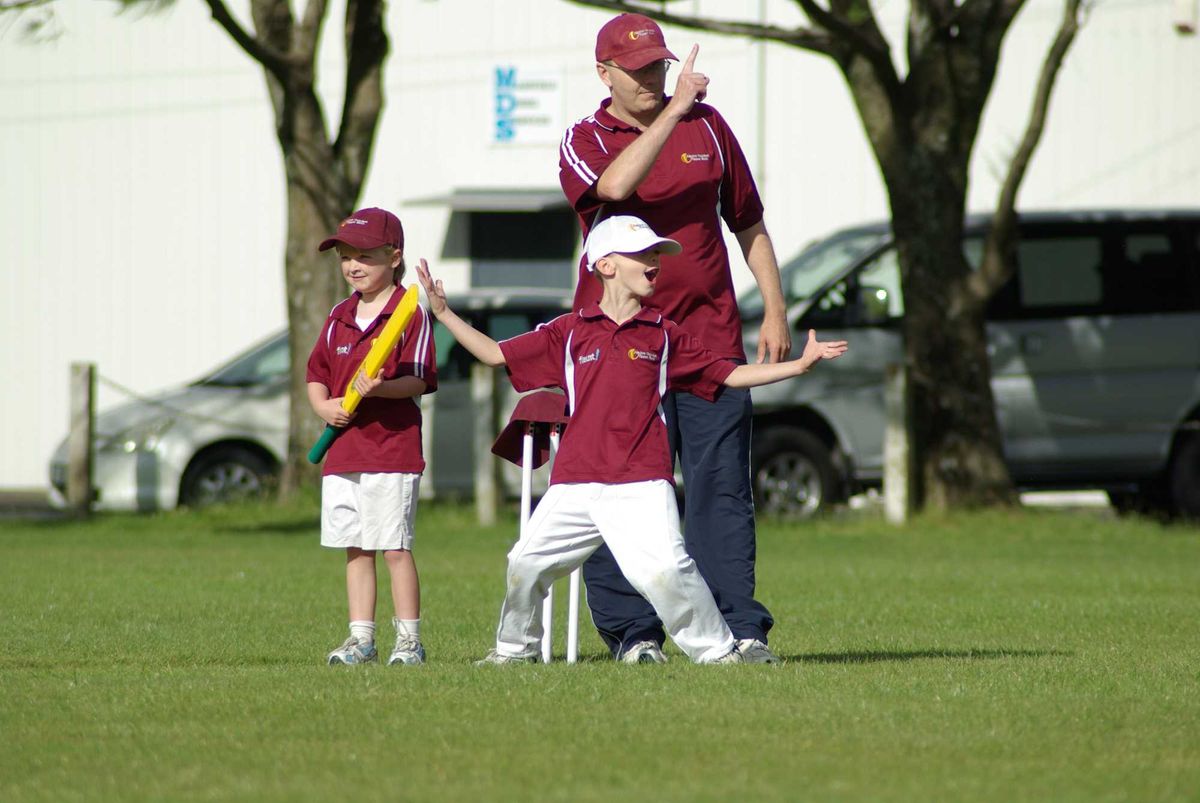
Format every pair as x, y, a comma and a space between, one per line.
624, 234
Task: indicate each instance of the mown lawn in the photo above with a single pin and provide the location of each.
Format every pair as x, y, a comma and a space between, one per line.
1031, 655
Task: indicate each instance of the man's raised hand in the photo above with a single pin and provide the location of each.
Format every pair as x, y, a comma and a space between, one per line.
691, 86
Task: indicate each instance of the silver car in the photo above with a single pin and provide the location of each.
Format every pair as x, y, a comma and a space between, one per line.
1095, 358
224, 436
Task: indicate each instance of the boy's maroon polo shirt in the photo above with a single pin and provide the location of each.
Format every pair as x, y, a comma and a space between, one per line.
700, 177
385, 434
614, 377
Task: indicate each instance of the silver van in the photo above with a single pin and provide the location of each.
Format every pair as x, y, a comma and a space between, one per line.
1095, 358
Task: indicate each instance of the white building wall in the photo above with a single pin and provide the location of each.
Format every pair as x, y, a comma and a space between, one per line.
141, 195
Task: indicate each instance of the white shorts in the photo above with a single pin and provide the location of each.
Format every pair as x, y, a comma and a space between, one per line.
368, 510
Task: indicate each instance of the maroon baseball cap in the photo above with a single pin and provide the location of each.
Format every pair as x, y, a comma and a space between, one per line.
367, 229
632, 41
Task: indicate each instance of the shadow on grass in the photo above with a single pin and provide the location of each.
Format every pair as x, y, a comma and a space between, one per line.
916, 655
306, 525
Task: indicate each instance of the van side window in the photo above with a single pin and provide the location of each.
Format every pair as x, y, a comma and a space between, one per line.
1056, 276
1152, 275
1060, 272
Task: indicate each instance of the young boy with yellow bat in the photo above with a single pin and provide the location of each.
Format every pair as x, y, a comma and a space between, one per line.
373, 466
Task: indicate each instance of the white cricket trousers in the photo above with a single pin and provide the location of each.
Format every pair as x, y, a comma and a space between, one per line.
640, 523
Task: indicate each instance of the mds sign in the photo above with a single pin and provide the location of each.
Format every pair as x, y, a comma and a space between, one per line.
527, 104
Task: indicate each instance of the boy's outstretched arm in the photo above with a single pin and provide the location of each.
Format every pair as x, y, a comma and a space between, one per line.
483, 347
753, 375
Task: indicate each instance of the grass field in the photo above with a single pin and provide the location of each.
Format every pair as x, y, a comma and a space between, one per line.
1030, 655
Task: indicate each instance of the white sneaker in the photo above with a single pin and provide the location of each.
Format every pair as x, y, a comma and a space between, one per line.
756, 652
352, 652
408, 651
644, 652
497, 658
731, 657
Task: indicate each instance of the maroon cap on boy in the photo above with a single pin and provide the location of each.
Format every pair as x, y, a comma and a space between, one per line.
367, 229
632, 41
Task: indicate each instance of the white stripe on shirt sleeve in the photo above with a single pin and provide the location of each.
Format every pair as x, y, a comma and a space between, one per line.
573, 161
569, 371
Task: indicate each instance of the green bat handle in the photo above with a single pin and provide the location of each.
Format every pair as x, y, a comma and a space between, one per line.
323, 443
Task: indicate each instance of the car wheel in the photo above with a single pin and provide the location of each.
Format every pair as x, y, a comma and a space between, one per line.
1185, 477
225, 474
793, 474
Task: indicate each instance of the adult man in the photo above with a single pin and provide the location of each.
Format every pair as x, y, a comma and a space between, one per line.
674, 163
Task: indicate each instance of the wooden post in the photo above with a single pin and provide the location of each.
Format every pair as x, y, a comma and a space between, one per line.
428, 490
79, 439
897, 463
484, 400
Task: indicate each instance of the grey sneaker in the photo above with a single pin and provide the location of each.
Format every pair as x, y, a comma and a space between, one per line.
408, 651
644, 652
494, 657
756, 652
353, 651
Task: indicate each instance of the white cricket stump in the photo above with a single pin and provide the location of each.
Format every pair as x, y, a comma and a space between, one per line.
573, 588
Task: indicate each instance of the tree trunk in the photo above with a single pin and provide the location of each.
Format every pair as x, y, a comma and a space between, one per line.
318, 196
958, 449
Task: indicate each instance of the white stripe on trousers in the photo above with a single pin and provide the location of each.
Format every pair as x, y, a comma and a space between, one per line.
640, 523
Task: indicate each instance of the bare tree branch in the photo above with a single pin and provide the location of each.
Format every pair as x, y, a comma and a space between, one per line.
803, 38
309, 30
995, 267
271, 60
366, 51
853, 22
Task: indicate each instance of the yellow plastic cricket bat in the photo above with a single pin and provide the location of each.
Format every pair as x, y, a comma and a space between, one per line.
381, 349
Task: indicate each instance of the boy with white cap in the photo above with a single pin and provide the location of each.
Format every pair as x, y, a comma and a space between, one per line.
613, 475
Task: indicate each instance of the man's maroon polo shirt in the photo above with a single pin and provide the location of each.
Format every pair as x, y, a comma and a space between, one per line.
700, 177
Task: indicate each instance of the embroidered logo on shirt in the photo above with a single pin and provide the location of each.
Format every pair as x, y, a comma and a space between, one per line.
634, 354
342, 351
688, 158
595, 355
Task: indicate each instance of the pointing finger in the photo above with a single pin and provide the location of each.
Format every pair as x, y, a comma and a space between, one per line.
691, 59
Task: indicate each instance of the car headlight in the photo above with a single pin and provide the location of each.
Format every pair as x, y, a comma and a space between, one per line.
142, 437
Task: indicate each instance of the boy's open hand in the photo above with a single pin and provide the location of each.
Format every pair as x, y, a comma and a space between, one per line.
433, 289
816, 350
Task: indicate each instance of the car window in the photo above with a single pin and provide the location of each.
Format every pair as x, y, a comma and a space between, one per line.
813, 269
1151, 273
882, 275
1059, 272
260, 365
869, 297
